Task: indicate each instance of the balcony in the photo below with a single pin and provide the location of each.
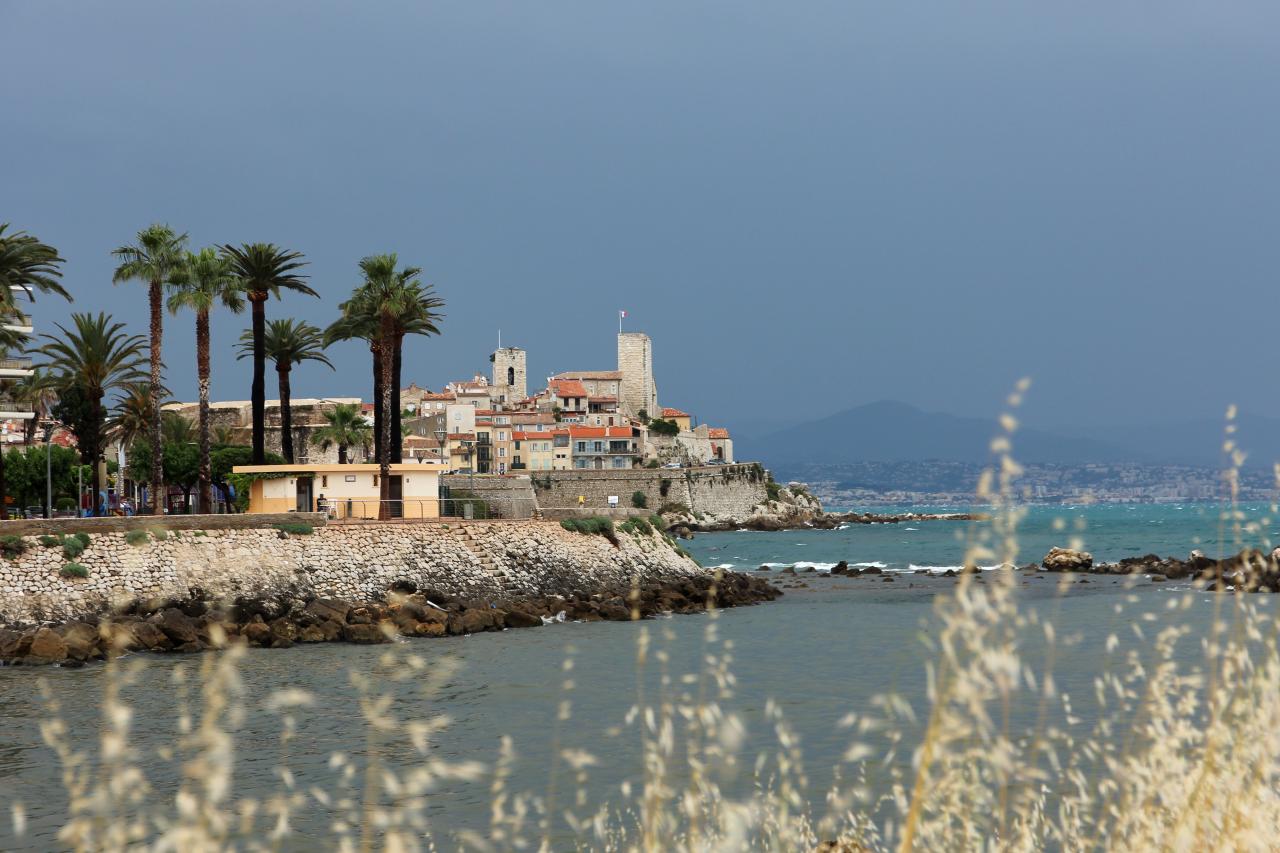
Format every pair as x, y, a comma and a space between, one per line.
19, 323
15, 367
13, 410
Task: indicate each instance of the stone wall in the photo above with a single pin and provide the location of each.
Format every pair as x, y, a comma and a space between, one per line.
484, 562
122, 524
725, 491
507, 497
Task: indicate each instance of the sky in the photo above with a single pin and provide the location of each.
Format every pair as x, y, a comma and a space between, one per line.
814, 204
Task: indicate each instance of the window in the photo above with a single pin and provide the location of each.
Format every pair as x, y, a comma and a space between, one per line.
375, 480
502, 451
582, 447
511, 376
324, 481
598, 446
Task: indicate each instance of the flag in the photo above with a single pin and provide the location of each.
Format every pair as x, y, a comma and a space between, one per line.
622, 315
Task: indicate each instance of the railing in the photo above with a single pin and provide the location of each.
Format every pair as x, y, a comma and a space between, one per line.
15, 364
411, 510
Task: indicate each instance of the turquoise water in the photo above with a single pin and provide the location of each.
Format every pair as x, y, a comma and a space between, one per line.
825, 649
1109, 532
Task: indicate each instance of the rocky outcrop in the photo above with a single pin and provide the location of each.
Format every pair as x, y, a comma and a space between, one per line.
195, 624
1067, 560
1250, 570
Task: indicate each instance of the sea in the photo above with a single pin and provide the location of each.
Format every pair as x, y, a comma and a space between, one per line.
824, 650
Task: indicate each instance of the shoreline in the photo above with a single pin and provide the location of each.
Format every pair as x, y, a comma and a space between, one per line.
819, 521
197, 624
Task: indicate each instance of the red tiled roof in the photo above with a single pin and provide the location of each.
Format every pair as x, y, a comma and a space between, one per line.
717, 432
674, 413
443, 395
532, 436
600, 432
602, 399
568, 388
590, 374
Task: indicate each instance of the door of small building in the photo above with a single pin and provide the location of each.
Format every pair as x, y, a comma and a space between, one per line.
304, 494
395, 486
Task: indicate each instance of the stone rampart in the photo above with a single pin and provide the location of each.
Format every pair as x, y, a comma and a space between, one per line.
506, 496
724, 491
484, 562
123, 524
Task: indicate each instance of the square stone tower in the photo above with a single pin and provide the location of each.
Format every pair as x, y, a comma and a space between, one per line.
510, 374
635, 362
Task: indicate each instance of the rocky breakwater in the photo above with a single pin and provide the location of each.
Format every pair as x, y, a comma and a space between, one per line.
361, 584
196, 623
792, 507
1250, 570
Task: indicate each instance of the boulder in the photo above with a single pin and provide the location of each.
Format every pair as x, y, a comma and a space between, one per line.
522, 619
257, 633
428, 629
148, 636
328, 608
46, 647
363, 634
312, 634
81, 640
177, 626
1067, 560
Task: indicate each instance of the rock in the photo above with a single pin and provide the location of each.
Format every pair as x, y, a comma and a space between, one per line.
364, 634
46, 647
1067, 560
840, 568
404, 587
521, 619
81, 640
257, 633
283, 629
177, 626
328, 608
148, 636
312, 634
429, 629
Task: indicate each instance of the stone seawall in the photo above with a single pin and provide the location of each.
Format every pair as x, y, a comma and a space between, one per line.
494, 562
725, 491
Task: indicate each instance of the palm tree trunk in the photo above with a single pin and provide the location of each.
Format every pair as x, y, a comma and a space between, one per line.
4, 490
95, 478
286, 413
202, 369
342, 454
397, 435
377, 400
157, 455
385, 340
259, 391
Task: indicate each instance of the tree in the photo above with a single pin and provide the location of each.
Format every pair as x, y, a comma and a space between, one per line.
262, 270
361, 319
158, 258
346, 428
27, 473
132, 419
227, 458
208, 282
286, 343
180, 458
27, 264
37, 394
385, 306
94, 357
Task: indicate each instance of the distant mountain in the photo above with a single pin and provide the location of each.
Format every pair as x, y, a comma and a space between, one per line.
890, 431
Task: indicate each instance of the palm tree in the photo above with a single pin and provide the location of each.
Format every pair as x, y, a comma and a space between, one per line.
386, 306
134, 413
262, 270
158, 258
27, 265
94, 357
360, 320
207, 282
346, 428
224, 436
38, 396
287, 342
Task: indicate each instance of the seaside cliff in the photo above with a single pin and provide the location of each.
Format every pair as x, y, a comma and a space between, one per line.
185, 590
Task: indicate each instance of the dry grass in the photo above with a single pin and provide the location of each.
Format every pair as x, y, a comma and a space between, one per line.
1179, 757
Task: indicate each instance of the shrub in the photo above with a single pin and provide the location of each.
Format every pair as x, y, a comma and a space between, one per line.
160, 534
664, 486
658, 523
12, 547
136, 537
653, 463
295, 528
636, 525
74, 570
82, 538
50, 541
773, 489
674, 508
592, 525
638, 500
72, 547
658, 426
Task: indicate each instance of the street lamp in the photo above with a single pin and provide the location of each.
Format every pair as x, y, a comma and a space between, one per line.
48, 470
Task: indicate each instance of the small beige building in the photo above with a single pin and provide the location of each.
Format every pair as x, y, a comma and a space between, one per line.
345, 491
